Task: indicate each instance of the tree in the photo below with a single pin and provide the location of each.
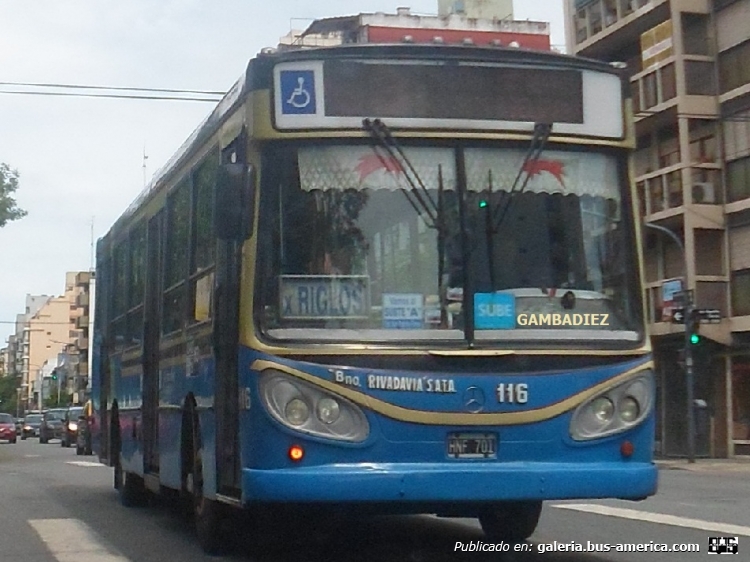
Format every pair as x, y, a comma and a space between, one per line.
9, 210
8, 394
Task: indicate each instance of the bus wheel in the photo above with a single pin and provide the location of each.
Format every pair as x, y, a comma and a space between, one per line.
511, 521
209, 515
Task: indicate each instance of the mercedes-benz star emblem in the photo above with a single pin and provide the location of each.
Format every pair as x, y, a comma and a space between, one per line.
474, 399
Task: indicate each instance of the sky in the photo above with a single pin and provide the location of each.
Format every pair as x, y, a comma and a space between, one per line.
81, 159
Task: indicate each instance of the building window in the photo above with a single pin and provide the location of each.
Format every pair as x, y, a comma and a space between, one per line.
668, 83
699, 78
641, 187
695, 34
741, 398
595, 17
733, 68
656, 194
610, 12
581, 26
650, 92
741, 292
703, 149
738, 179
669, 148
674, 188
709, 253
706, 186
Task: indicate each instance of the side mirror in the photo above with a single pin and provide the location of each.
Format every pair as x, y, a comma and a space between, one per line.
234, 200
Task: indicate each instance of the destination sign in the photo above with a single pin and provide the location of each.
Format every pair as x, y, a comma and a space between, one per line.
340, 93
321, 297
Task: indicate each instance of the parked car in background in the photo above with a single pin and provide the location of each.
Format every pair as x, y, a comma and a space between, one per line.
85, 425
52, 425
7, 428
71, 426
31, 425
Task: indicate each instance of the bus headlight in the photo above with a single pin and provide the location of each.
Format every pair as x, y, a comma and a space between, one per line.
629, 409
615, 410
296, 412
328, 410
603, 409
290, 401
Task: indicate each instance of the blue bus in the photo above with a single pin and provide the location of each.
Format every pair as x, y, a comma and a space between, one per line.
394, 278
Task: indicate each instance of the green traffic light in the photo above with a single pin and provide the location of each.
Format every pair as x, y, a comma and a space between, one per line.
695, 338
482, 204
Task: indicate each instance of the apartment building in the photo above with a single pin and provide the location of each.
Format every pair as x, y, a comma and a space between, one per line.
56, 337
478, 22
689, 67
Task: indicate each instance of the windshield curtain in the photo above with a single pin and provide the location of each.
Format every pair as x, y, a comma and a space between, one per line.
358, 244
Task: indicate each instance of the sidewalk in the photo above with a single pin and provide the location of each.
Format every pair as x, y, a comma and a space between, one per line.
737, 464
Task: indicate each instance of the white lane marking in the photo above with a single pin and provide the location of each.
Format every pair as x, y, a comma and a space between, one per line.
32, 456
84, 463
71, 540
661, 518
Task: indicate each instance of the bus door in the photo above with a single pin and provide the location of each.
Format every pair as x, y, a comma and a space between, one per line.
226, 338
152, 329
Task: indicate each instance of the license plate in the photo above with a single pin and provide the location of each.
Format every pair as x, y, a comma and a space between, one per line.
472, 445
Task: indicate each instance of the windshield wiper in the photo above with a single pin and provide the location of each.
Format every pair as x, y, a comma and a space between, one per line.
419, 197
422, 202
542, 132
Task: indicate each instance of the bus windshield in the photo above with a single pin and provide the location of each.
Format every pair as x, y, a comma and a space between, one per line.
361, 244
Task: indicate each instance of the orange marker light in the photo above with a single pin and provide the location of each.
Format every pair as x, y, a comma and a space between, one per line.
296, 453
627, 449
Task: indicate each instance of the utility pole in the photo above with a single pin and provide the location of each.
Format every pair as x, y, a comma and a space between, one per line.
689, 324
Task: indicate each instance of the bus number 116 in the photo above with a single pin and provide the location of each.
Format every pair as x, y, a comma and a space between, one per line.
512, 393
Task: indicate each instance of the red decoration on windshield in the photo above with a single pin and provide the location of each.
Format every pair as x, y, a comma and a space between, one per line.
371, 163
553, 167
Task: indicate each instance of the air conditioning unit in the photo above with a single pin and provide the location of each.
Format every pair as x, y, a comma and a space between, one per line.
703, 192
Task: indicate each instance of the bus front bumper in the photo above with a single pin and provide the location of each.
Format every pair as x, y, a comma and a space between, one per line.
446, 482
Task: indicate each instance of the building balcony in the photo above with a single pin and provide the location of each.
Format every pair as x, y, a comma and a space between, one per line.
620, 22
82, 322
662, 193
83, 278
83, 299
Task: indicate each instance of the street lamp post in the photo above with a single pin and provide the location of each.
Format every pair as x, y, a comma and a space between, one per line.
689, 374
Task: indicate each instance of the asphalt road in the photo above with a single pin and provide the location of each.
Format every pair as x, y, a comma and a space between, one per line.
59, 507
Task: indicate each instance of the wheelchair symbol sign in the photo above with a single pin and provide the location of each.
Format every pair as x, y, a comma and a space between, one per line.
298, 92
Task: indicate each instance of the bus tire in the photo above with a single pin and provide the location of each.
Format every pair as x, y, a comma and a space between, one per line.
209, 516
511, 521
133, 491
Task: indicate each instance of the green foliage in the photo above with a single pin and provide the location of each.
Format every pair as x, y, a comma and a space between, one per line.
8, 394
9, 210
53, 402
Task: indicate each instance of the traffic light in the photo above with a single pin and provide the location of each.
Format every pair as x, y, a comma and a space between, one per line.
483, 203
54, 375
694, 325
